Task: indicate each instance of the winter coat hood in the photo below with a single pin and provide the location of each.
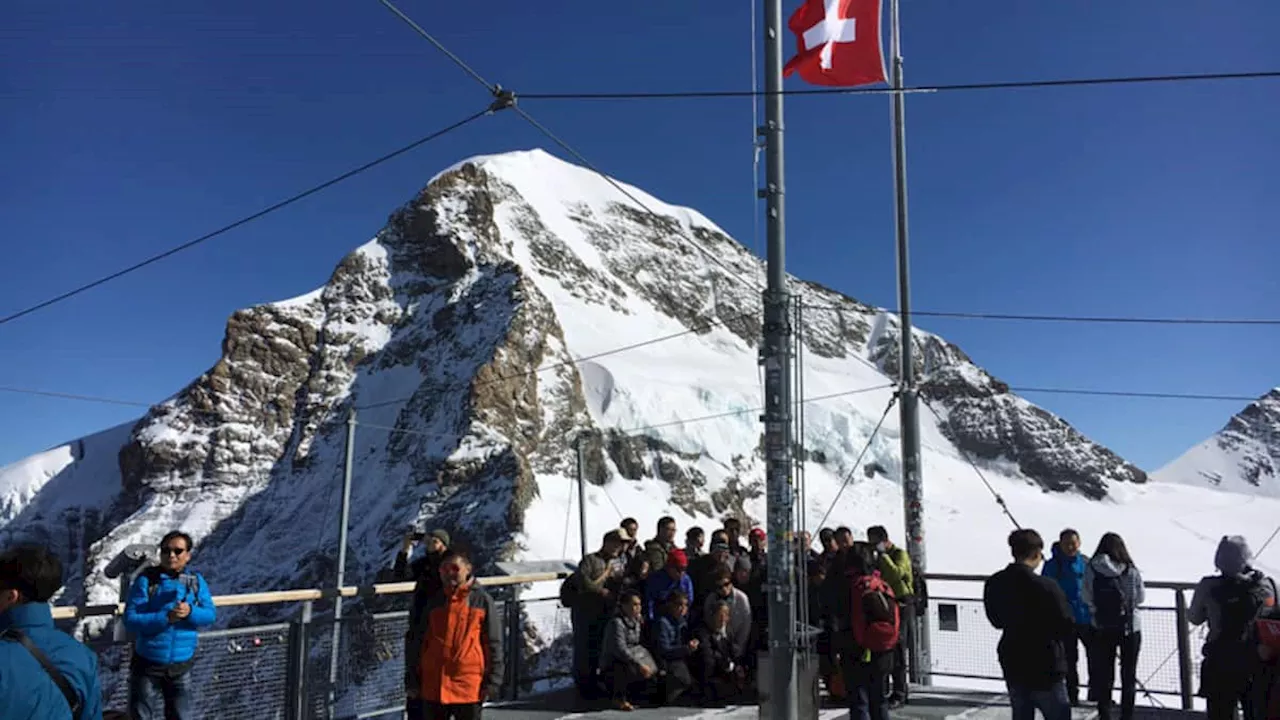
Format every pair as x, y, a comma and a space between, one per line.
1233, 556
1104, 565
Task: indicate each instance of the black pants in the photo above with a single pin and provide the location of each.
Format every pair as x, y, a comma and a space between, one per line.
1223, 707
423, 710
1084, 636
864, 684
1102, 672
898, 685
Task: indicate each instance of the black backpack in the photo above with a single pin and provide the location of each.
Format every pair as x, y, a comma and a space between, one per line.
1111, 609
1241, 602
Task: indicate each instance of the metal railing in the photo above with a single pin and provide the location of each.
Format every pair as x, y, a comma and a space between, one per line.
964, 642
280, 671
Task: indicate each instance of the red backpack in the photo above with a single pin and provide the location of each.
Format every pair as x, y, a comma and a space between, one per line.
876, 621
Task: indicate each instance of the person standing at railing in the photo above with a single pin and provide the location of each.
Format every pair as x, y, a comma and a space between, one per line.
1230, 603
895, 567
453, 648
1113, 590
44, 673
1035, 621
166, 607
419, 557
589, 595
1067, 567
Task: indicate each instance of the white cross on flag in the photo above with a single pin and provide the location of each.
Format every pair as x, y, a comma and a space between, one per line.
839, 43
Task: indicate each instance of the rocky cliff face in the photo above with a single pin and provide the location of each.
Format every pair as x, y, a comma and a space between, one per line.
514, 305
1243, 456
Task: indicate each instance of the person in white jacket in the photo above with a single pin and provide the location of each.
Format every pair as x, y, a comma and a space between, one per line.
1113, 590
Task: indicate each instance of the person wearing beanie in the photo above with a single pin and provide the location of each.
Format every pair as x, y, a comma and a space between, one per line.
672, 577
1230, 603
419, 557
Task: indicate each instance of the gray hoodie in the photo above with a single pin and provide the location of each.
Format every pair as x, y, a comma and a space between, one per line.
1130, 584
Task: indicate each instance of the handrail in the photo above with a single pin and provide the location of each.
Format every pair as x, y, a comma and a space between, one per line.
68, 612
1149, 584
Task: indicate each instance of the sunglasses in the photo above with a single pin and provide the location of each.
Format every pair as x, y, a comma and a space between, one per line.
172, 551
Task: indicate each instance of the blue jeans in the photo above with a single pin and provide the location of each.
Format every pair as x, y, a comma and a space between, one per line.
155, 695
1051, 703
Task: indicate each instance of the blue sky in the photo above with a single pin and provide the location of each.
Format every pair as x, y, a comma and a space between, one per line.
131, 127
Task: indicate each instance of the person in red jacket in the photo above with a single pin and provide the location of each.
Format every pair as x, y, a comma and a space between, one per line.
453, 649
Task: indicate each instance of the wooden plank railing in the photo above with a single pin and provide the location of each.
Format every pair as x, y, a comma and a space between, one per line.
284, 596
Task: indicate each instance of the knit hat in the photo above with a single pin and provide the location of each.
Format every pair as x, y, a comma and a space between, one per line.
442, 536
677, 559
719, 547
744, 563
1233, 556
756, 533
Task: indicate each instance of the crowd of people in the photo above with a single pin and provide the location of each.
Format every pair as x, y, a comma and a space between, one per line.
658, 623
1093, 602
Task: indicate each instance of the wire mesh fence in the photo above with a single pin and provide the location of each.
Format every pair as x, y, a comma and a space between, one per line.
283, 671
237, 674
964, 645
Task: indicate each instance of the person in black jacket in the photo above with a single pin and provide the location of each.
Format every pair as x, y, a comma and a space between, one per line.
1036, 620
720, 676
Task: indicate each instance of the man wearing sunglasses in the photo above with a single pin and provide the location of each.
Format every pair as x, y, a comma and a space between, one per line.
166, 606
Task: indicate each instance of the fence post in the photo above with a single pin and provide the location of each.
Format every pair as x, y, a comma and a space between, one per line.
296, 681
1185, 675
515, 645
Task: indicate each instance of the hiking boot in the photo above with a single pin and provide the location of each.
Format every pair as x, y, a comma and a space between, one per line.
623, 705
897, 701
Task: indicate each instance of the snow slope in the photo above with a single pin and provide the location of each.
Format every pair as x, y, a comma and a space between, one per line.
515, 303
1244, 456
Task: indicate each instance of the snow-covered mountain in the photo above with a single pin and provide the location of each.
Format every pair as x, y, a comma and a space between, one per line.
1244, 456
514, 303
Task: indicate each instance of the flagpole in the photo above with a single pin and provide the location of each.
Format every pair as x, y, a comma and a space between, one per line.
912, 483
781, 703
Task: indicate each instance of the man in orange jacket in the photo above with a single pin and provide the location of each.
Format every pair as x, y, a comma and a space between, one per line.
453, 649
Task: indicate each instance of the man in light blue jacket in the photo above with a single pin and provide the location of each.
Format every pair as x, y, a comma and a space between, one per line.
165, 608
1067, 567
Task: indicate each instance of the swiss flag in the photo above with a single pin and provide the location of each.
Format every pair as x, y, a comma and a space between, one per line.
839, 43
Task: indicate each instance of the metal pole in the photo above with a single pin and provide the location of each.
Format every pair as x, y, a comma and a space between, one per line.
912, 483
299, 630
582, 492
775, 355
1186, 672
334, 649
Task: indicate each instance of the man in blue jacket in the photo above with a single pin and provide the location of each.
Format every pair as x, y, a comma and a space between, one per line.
68, 687
1067, 567
166, 606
